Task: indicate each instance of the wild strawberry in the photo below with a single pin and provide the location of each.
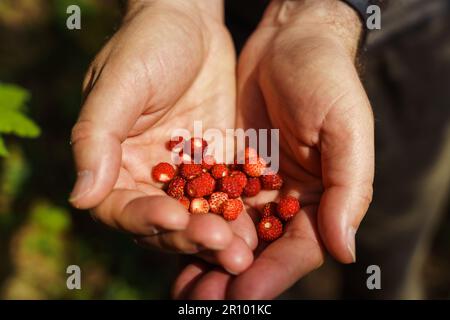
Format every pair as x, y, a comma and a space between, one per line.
231, 186
208, 162
163, 172
199, 206
231, 209
250, 154
190, 170
195, 146
201, 186
254, 168
271, 181
240, 177
216, 201
269, 209
288, 207
175, 143
176, 187
270, 228
185, 202
219, 171
252, 187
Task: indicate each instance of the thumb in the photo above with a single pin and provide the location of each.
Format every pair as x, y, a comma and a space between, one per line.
347, 152
105, 120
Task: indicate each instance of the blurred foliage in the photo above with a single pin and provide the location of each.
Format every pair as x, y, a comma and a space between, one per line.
12, 119
40, 234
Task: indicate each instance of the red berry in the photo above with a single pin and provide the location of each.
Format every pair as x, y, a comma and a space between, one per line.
269, 209
219, 171
216, 201
231, 209
240, 177
250, 154
190, 170
185, 202
231, 186
176, 187
254, 168
288, 207
272, 181
234, 166
163, 172
270, 228
175, 143
201, 186
199, 206
196, 146
208, 162
252, 187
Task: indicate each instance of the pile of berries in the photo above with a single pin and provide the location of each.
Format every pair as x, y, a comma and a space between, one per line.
215, 187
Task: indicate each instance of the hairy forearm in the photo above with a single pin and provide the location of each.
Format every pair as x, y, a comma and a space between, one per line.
211, 8
332, 18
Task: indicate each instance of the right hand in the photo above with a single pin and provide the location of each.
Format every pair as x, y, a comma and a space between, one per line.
170, 63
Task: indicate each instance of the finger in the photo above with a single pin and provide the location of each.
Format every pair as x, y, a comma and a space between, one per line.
188, 277
244, 227
235, 258
107, 116
203, 232
347, 156
211, 286
140, 214
283, 262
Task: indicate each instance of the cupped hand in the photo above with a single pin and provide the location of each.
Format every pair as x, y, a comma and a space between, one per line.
297, 73
169, 64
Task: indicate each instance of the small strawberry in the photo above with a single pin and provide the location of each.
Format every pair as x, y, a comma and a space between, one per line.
219, 171
240, 177
216, 201
270, 229
252, 187
190, 170
269, 209
231, 209
201, 186
231, 186
271, 181
199, 206
254, 168
185, 202
163, 172
208, 162
176, 187
250, 154
195, 146
288, 207
176, 143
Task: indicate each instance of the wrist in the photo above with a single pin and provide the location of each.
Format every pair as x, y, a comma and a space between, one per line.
211, 8
332, 19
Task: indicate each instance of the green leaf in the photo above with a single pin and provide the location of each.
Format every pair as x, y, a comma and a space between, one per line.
3, 150
13, 97
14, 122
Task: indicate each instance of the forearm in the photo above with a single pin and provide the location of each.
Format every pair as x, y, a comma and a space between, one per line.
211, 8
325, 18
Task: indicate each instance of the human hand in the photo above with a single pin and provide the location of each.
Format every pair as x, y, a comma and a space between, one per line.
170, 63
297, 73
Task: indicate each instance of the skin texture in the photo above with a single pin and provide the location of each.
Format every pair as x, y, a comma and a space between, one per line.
297, 73
172, 62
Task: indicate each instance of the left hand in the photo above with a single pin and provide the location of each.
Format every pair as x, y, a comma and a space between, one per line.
297, 73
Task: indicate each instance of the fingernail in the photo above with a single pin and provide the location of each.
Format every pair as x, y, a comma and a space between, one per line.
351, 232
84, 183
